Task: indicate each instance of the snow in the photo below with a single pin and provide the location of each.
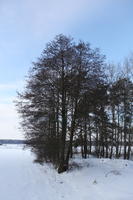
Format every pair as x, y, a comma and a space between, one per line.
94, 179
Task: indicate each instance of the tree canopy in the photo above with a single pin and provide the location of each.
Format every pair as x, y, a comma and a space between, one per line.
69, 101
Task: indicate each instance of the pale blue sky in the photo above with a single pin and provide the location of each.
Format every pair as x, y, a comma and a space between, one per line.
26, 26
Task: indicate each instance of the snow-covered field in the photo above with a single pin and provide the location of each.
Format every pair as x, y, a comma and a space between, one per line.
91, 179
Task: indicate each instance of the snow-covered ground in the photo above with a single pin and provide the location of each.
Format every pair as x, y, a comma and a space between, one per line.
91, 179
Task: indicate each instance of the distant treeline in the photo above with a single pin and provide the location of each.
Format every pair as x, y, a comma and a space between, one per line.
6, 141
74, 98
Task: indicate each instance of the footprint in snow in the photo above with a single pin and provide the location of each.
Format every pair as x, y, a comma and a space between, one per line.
114, 172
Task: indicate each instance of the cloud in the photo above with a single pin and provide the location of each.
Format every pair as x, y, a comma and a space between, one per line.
44, 17
9, 119
11, 86
9, 122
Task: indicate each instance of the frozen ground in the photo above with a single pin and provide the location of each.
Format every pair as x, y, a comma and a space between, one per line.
91, 179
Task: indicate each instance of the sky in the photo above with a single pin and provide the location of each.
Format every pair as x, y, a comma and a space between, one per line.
27, 25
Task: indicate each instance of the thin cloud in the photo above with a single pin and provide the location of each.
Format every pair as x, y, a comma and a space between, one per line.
11, 86
43, 17
9, 119
9, 122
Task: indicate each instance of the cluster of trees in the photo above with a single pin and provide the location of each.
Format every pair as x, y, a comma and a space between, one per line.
71, 100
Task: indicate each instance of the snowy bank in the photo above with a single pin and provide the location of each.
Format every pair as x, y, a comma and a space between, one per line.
91, 179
